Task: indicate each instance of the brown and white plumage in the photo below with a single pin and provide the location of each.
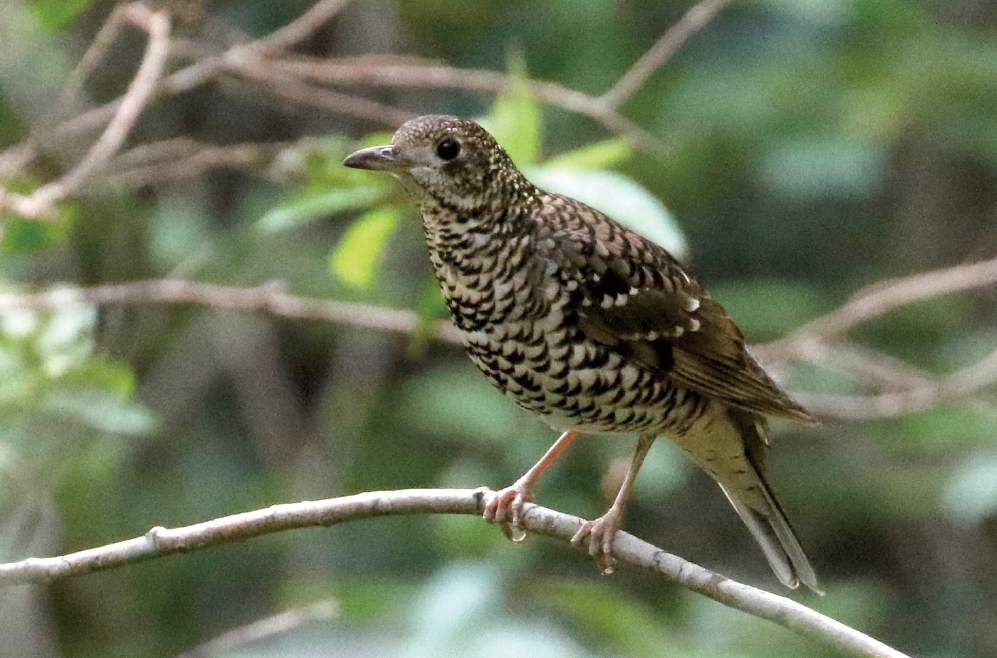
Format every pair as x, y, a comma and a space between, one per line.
592, 327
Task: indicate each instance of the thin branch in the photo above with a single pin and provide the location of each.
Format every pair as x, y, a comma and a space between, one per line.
629, 550
955, 386
306, 94
269, 297
423, 75
182, 157
94, 54
882, 297
693, 21
272, 298
300, 28
157, 23
378, 70
275, 625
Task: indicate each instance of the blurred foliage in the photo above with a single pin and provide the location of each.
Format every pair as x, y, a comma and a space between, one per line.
812, 147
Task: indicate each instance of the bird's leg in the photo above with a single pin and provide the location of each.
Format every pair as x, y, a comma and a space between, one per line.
602, 531
506, 506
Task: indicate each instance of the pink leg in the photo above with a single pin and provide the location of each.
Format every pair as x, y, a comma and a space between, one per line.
602, 531
506, 506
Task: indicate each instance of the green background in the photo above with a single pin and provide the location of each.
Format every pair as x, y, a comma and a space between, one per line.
807, 149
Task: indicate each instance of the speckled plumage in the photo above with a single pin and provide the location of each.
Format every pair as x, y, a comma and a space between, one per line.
591, 326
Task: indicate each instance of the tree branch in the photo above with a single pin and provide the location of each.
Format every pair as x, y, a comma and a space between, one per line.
691, 22
283, 622
884, 296
926, 391
629, 550
269, 297
157, 23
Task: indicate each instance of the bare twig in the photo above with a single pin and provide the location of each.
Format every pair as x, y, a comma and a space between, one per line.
186, 158
95, 53
306, 94
264, 628
422, 75
691, 22
630, 550
955, 386
157, 23
269, 297
300, 28
376, 70
885, 296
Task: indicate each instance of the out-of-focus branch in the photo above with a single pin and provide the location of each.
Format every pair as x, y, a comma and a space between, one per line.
913, 390
39, 205
266, 59
270, 298
691, 22
288, 620
958, 385
416, 74
820, 342
882, 297
300, 28
182, 157
95, 52
303, 93
629, 550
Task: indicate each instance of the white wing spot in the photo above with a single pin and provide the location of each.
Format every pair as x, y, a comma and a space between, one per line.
692, 305
621, 299
678, 332
693, 324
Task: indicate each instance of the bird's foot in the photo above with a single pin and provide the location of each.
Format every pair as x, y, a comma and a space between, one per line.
505, 508
601, 533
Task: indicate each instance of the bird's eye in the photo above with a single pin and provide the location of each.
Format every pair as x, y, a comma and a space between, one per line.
448, 148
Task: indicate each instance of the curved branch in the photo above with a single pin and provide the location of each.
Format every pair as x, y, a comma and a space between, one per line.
630, 550
157, 23
691, 22
269, 297
884, 296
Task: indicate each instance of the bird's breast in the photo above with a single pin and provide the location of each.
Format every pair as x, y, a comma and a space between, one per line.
516, 320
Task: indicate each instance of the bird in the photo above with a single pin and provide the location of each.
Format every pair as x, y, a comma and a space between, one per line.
593, 328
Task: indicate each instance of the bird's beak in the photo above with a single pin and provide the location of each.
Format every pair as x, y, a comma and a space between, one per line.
379, 158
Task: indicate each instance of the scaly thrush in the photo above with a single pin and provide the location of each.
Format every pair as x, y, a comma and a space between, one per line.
592, 327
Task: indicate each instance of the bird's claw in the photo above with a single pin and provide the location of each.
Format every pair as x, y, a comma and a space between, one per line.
505, 508
601, 533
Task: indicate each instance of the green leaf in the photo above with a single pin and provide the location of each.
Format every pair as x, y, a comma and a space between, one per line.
56, 14
620, 198
601, 155
356, 257
514, 119
100, 410
308, 206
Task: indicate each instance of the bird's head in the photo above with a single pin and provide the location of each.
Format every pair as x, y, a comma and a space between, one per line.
446, 161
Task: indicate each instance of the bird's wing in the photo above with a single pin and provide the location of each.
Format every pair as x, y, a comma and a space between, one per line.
630, 294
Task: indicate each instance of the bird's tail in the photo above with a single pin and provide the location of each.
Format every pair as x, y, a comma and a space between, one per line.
777, 539
765, 517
